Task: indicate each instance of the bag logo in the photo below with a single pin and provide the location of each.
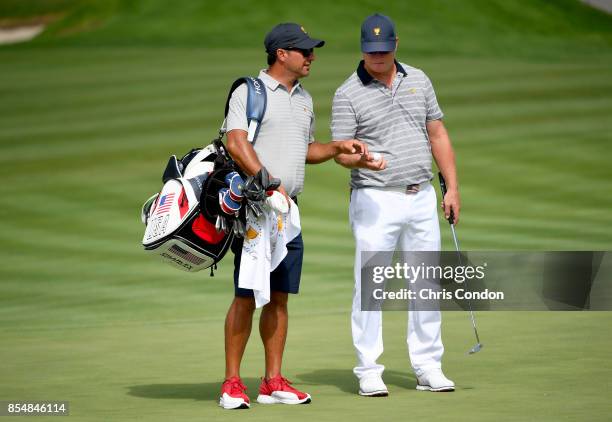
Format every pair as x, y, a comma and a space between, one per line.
256, 85
177, 261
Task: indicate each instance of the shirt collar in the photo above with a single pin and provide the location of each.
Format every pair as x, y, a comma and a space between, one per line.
272, 83
366, 78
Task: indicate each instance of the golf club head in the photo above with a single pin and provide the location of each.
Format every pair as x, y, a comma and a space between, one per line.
475, 349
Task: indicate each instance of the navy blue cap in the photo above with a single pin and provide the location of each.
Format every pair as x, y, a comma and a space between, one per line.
377, 34
290, 35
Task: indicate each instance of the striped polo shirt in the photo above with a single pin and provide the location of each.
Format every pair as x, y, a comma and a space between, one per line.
390, 121
285, 132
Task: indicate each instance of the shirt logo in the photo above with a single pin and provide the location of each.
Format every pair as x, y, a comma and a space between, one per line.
377, 31
412, 90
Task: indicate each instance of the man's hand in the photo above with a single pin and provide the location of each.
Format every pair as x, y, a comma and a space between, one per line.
319, 153
352, 146
451, 202
282, 190
369, 161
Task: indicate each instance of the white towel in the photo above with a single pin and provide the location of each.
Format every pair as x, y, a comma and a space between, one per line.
264, 247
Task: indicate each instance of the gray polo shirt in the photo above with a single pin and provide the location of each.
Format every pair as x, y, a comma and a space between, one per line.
285, 132
391, 121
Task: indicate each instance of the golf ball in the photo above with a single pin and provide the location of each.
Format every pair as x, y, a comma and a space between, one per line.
376, 156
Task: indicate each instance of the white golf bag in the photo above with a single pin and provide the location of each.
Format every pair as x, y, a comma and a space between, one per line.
192, 222
176, 228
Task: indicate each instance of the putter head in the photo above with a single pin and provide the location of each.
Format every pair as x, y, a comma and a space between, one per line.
475, 349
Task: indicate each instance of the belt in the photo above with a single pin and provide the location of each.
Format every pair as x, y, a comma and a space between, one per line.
407, 189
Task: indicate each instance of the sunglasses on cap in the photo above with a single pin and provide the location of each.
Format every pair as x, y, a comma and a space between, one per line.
306, 52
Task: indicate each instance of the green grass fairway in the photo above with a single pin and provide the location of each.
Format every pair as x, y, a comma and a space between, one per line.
86, 128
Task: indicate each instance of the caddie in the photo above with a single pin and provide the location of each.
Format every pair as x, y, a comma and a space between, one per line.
392, 107
284, 145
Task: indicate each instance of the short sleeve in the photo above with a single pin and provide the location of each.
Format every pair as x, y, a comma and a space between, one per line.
431, 102
344, 120
236, 115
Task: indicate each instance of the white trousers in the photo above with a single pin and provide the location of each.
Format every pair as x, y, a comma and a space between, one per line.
383, 220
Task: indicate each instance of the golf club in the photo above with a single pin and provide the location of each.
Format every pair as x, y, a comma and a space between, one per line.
451, 219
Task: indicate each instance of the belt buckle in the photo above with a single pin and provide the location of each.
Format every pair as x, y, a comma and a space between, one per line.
413, 188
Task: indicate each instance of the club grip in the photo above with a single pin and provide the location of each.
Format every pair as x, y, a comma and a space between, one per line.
451, 217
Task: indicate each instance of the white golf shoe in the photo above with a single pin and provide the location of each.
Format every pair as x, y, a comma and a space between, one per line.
434, 380
372, 386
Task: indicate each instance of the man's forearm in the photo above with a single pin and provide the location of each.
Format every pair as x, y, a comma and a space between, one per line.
319, 153
242, 152
443, 154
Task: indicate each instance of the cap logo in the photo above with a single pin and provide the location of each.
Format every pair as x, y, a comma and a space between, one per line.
377, 31
303, 30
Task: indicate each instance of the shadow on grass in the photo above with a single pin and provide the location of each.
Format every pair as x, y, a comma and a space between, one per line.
345, 380
200, 392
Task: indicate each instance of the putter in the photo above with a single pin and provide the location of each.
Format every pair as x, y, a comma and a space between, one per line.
451, 219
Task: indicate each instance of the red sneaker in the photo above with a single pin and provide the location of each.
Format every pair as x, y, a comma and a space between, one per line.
233, 394
279, 390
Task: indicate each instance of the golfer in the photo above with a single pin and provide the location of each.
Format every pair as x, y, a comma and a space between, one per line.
392, 107
284, 145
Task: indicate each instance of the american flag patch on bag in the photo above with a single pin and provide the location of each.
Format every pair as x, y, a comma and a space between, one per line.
165, 203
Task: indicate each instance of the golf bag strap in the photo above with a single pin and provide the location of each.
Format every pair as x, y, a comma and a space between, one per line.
255, 106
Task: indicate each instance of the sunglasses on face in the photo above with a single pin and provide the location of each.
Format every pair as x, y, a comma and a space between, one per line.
303, 51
